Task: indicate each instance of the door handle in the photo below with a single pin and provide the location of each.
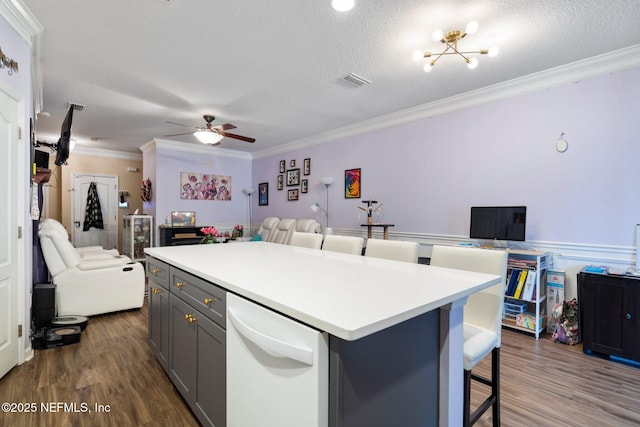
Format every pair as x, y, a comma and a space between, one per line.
77, 223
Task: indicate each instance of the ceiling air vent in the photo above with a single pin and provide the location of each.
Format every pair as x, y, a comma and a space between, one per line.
76, 107
356, 80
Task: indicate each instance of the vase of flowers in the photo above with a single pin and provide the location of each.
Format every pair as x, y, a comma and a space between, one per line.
211, 235
238, 230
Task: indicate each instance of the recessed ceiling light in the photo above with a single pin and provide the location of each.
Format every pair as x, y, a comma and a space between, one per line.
342, 5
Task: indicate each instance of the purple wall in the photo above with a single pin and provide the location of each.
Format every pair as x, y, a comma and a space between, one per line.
168, 165
429, 172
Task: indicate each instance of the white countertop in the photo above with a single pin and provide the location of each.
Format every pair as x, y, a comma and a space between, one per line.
347, 296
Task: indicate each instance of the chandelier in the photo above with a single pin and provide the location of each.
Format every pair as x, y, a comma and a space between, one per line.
450, 40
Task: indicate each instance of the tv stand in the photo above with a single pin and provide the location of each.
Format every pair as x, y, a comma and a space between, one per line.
174, 236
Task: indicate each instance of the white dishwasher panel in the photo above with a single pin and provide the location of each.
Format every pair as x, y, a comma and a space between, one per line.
277, 369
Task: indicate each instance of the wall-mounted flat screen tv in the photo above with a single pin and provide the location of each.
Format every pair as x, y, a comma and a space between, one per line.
498, 222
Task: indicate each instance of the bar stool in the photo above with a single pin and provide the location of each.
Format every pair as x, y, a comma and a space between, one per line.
482, 322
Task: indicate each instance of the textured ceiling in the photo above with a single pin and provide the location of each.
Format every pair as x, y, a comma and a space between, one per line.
275, 68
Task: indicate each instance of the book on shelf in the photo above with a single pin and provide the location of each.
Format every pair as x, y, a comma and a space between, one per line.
512, 282
529, 286
522, 278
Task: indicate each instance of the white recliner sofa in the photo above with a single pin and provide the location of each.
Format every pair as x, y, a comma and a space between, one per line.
95, 282
276, 230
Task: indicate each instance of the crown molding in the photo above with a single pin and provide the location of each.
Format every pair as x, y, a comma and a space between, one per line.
100, 152
607, 63
185, 147
21, 19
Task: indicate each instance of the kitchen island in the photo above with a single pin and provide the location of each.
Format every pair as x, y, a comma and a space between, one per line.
393, 330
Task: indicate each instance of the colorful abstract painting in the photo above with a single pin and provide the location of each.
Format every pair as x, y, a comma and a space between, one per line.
198, 186
352, 183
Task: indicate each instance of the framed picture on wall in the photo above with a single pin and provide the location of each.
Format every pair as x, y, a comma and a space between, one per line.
293, 194
306, 168
280, 181
352, 183
263, 194
282, 166
304, 186
293, 177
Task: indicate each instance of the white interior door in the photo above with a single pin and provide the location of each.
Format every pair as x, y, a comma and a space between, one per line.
8, 233
108, 194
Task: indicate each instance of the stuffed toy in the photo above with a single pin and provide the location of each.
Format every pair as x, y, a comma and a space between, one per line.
565, 315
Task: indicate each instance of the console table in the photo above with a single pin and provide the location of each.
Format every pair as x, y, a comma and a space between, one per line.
385, 227
172, 236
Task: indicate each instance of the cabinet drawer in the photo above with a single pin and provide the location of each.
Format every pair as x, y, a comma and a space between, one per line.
204, 296
158, 271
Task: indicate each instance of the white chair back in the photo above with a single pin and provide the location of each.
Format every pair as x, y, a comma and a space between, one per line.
484, 308
282, 232
345, 244
267, 226
396, 250
306, 240
58, 252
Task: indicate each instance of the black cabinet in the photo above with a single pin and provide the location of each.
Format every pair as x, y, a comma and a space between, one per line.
172, 236
609, 314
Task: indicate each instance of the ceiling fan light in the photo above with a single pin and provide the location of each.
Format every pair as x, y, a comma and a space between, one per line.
473, 63
493, 51
342, 5
207, 136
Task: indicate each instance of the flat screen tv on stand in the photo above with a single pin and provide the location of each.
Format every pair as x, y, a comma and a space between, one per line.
498, 223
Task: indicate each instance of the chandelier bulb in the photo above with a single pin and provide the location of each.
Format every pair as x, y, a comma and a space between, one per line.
472, 63
437, 35
427, 67
472, 27
417, 55
493, 51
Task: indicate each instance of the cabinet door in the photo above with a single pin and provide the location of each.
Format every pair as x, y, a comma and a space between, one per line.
606, 315
197, 362
211, 400
182, 348
159, 323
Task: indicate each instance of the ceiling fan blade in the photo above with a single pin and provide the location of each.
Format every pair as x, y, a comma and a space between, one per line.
240, 137
180, 124
178, 134
225, 126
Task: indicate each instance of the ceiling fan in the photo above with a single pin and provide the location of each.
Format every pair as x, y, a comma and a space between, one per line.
211, 134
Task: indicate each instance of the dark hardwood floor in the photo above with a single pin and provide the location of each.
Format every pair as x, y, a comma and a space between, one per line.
543, 383
111, 365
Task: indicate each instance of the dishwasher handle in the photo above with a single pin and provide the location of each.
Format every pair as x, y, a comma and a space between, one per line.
270, 344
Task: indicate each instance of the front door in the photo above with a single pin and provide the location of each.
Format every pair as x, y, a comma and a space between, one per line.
107, 186
8, 233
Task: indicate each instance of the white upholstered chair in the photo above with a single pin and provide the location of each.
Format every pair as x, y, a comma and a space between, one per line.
345, 244
282, 232
306, 240
268, 226
397, 250
482, 321
93, 284
307, 225
54, 227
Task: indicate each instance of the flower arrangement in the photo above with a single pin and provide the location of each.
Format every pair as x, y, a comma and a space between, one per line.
211, 235
238, 230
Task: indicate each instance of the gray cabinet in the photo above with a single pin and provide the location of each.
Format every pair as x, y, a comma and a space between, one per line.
158, 275
197, 348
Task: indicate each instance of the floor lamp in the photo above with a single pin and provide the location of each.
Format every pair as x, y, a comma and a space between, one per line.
249, 192
327, 181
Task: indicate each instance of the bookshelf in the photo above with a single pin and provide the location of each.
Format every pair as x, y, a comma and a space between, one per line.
526, 291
